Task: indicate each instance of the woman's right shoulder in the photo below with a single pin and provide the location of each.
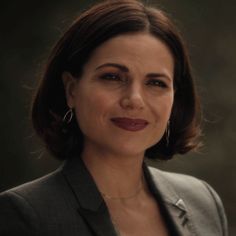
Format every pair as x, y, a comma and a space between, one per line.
17, 217
33, 187
19, 206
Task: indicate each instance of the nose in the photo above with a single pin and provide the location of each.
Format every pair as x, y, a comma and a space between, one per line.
133, 98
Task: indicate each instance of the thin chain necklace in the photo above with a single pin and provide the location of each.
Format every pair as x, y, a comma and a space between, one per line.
127, 197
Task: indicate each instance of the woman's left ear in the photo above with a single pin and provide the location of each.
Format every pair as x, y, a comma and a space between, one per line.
69, 85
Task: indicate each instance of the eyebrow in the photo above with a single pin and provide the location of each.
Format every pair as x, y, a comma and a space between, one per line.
125, 69
121, 67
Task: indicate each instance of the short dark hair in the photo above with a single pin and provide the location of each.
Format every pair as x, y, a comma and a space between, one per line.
94, 26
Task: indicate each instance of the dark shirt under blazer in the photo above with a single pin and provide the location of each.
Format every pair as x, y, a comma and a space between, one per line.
68, 203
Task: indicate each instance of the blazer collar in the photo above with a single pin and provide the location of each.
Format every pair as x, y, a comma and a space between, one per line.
95, 212
92, 207
175, 205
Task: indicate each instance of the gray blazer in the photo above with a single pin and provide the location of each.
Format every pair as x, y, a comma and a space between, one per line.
68, 203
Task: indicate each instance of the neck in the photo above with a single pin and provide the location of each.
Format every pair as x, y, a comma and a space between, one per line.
115, 175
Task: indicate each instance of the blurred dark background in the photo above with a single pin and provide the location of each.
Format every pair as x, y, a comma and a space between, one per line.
30, 28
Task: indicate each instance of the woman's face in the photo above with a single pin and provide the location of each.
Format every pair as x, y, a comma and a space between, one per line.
124, 97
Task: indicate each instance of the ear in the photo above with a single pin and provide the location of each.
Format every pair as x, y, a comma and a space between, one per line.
69, 85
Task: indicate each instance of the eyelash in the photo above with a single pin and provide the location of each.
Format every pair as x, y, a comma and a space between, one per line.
158, 83
116, 78
111, 77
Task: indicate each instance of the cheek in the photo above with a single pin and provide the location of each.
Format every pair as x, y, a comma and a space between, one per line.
168, 106
91, 108
163, 107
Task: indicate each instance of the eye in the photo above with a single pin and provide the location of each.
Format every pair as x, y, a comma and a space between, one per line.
111, 77
157, 83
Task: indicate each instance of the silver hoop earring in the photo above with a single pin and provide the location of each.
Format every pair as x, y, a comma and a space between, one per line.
167, 133
68, 116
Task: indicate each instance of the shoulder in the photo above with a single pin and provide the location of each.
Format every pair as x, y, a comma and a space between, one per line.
17, 215
23, 207
172, 177
200, 198
186, 186
35, 188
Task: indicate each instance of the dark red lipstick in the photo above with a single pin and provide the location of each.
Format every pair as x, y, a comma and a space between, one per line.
130, 124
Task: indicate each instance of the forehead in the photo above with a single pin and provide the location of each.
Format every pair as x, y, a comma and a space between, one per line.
136, 49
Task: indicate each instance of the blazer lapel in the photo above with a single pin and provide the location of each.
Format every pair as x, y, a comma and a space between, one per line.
175, 206
92, 207
94, 211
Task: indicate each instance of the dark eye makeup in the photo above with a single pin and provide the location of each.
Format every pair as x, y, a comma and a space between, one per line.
157, 82
110, 77
117, 77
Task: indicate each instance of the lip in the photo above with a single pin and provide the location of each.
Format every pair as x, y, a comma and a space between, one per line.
129, 123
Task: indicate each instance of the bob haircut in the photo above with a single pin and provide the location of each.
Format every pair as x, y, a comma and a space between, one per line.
94, 26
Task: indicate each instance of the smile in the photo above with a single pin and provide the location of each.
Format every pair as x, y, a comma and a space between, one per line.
129, 124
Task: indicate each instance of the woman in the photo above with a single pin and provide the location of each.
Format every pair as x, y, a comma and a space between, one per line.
117, 88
